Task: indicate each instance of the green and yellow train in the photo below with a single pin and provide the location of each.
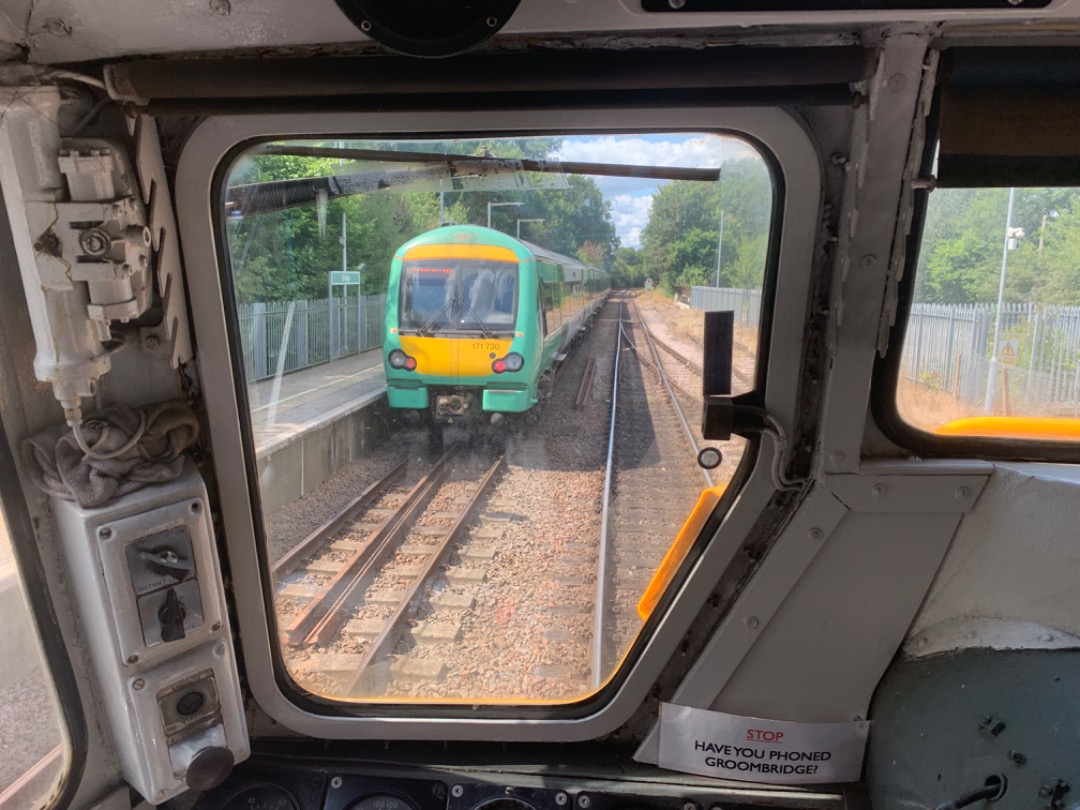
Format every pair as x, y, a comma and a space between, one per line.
476, 322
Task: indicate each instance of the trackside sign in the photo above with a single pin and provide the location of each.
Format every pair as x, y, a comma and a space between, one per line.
779, 752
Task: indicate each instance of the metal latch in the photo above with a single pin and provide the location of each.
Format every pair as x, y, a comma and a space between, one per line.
722, 414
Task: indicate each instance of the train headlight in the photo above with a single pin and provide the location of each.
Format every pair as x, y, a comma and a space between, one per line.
512, 362
398, 359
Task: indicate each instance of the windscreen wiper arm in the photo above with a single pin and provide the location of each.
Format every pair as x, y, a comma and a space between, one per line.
431, 321
469, 310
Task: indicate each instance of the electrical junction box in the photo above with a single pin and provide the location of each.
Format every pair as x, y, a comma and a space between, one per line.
144, 573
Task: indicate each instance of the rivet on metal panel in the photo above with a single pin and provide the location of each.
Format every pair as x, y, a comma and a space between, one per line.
962, 493
457, 791
689, 806
138, 684
1017, 757
104, 532
492, 22
222, 7
365, 25
815, 534
561, 799
878, 490
335, 783
897, 82
583, 802
752, 622
868, 262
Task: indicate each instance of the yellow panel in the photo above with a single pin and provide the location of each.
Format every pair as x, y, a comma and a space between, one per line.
1014, 427
474, 358
462, 251
665, 572
437, 356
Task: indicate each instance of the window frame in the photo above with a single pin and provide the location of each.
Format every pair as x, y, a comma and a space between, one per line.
209, 151
54, 650
886, 375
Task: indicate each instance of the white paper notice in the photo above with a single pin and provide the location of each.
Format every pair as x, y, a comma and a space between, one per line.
775, 751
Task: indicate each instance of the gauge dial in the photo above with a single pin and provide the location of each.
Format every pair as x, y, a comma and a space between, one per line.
383, 801
261, 797
504, 803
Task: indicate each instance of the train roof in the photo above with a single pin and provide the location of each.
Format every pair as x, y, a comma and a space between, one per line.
492, 236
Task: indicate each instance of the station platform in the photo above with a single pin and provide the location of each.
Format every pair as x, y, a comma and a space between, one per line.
282, 410
313, 422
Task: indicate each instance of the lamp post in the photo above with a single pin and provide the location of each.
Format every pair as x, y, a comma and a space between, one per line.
491, 205
992, 372
525, 220
720, 247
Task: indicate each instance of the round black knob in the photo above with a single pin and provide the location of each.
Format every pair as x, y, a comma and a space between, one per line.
209, 768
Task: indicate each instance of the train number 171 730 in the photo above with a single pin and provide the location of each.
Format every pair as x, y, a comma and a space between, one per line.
486, 347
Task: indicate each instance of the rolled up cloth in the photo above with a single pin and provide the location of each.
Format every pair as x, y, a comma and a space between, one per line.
58, 466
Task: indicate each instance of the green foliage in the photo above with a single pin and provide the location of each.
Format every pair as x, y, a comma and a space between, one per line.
681, 243
288, 254
964, 238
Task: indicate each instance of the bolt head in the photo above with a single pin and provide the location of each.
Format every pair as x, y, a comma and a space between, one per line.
815, 534
753, 622
962, 493
335, 782
583, 802
878, 490
457, 791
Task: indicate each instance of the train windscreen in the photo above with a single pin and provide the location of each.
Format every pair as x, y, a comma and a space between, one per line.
442, 295
472, 369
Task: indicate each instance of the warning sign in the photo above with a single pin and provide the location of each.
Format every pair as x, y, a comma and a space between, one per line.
1008, 350
748, 748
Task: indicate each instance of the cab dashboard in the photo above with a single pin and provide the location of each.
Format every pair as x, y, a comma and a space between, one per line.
282, 779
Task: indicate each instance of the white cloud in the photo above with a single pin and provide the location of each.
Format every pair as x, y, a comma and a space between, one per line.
631, 197
694, 152
630, 214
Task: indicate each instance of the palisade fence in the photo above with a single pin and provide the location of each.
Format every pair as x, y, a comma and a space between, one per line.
290, 335
948, 348
746, 304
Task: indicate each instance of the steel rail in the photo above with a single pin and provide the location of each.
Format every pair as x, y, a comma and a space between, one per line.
290, 561
671, 393
322, 616
605, 514
382, 646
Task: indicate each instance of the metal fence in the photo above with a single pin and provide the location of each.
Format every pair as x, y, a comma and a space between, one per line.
746, 304
283, 336
1037, 364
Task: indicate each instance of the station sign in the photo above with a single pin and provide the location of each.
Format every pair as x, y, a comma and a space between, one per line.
348, 277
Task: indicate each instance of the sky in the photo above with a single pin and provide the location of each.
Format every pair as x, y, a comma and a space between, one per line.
631, 197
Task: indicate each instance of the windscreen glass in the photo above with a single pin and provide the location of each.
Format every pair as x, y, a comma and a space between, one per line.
992, 348
472, 370
447, 295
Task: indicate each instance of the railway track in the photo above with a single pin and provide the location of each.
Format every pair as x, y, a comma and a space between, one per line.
479, 576
654, 483
355, 588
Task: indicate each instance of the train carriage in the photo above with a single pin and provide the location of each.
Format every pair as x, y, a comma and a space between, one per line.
477, 320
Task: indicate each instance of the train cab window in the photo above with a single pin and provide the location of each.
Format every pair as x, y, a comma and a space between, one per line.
992, 345
32, 739
461, 361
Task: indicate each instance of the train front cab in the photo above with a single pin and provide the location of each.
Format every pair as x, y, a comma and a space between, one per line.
855, 568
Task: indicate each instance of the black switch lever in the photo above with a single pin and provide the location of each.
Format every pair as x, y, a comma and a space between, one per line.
171, 615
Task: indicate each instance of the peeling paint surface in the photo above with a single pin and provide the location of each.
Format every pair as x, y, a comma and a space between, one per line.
72, 31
